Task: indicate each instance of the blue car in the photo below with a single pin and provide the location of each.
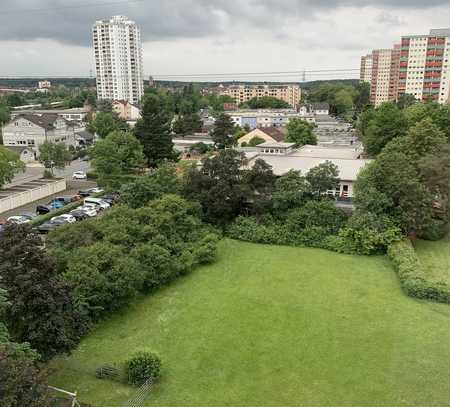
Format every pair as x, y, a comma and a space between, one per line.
56, 204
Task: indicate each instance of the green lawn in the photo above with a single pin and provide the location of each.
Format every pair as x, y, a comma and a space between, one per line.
435, 257
270, 326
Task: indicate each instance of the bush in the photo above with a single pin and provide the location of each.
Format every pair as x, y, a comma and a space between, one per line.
143, 366
93, 176
436, 230
412, 275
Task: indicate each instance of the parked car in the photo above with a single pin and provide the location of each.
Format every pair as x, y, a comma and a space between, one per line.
79, 215
79, 175
89, 210
44, 209
51, 225
65, 200
84, 193
56, 204
67, 217
28, 215
112, 198
98, 202
18, 220
96, 190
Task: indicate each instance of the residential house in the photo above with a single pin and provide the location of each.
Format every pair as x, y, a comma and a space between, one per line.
268, 134
126, 110
32, 130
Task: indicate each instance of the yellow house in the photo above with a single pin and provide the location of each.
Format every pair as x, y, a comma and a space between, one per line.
268, 134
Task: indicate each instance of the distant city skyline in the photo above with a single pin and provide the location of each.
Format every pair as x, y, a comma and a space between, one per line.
216, 36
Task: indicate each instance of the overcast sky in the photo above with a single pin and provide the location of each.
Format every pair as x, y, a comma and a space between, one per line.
51, 37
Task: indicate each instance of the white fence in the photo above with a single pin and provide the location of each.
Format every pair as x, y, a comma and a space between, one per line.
15, 200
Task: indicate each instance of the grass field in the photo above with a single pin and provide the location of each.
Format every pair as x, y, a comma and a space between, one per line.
270, 326
435, 257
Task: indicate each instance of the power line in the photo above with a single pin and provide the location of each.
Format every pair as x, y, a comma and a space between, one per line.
89, 5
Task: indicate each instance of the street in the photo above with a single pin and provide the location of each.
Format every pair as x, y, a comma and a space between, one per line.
36, 171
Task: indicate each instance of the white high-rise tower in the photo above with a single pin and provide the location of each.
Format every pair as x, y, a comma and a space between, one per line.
118, 59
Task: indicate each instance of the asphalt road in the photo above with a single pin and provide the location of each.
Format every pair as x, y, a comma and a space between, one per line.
36, 171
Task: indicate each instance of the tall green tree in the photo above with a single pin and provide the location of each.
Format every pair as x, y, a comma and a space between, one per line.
153, 130
386, 123
106, 122
323, 178
54, 155
118, 155
5, 114
301, 133
223, 131
42, 308
10, 165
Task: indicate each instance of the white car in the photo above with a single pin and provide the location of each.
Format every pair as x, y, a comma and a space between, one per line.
89, 210
101, 204
67, 217
79, 175
96, 190
18, 220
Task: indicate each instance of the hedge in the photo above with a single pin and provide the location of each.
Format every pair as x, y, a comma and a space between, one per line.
57, 212
412, 275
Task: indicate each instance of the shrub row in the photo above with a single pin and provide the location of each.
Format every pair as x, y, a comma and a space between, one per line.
57, 212
413, 276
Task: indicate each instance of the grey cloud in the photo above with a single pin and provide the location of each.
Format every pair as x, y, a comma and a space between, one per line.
165, 19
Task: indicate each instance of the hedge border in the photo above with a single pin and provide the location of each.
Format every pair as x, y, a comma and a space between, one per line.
412, 274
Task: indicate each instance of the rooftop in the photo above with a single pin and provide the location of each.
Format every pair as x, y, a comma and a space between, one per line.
269, 144
344, 152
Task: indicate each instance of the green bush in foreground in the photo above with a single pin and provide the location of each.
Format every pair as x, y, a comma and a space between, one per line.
143, 366
412, 275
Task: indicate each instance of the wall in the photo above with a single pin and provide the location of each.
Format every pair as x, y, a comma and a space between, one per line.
25, 197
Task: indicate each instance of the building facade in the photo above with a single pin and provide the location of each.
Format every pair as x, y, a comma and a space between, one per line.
31, 131
243, 93
418, 66
118, 59
366, 68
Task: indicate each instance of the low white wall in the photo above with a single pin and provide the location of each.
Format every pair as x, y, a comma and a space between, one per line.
25, 197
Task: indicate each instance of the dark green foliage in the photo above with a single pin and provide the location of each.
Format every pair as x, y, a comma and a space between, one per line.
22, 383
265, 102
291, 191
143, 366
153, 130
413, 276
117, 157
129, 250
10, 165
323, 178
380, 126
163, 180
301, 133
256, 141
199, 148
106, 122
223, 131
42, 310
187, 124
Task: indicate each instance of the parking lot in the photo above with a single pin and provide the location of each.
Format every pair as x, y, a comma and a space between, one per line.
72, 188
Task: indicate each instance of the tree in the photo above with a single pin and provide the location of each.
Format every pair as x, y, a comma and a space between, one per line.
343, 102
142, 190
301, 133
119, 154
406, 100
107, 122
153, 130
256, 141
265, 102
387, 123
4, 114
54, 155
21, 381
291, 191
187, 124
323, 178
223, 131
10, 165
104, 106
42, 309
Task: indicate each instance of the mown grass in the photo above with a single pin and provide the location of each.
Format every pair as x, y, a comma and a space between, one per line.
276, 326
435, 258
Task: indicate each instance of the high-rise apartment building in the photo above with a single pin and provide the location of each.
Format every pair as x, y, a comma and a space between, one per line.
366, 68
419, 66
243, 93
425, 67
118, 59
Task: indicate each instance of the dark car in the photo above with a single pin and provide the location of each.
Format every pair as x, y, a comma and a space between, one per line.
79, 215
49, 226
43, 209
84, 193
111, 198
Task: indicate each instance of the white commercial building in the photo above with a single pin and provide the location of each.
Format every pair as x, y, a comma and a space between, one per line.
118, 59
